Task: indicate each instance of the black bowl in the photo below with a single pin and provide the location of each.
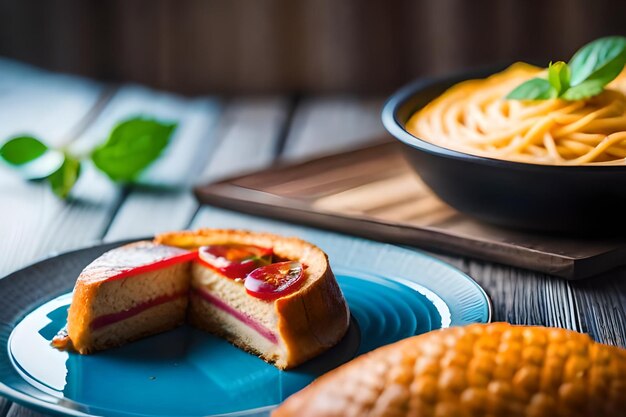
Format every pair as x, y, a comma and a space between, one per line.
548, 198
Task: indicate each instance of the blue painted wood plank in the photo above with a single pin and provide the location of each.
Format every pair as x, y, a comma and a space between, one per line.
325, 125
32, 220
249, 131
45, 104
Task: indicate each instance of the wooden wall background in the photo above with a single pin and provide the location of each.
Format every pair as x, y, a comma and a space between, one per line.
306, 46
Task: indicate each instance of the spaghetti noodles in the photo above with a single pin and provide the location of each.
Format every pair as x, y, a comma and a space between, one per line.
474, 117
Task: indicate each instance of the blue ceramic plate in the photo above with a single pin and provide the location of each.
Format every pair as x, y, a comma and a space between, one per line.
186, 372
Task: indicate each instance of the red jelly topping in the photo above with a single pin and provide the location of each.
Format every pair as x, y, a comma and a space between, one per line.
234, 260
275, 280
128, 271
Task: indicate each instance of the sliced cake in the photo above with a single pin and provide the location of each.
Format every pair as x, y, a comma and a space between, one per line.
273, 296
130, 292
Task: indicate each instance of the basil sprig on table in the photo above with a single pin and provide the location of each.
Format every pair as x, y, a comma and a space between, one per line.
590, 69
130, 148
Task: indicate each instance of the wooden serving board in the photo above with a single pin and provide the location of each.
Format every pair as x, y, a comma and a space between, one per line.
372, 192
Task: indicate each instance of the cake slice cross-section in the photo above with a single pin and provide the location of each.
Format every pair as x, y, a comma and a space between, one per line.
286, 310
129, 292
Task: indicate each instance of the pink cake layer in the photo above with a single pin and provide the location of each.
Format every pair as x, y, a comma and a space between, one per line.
108, 319
247, 320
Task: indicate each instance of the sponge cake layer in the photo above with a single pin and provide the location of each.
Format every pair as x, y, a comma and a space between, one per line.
113, 286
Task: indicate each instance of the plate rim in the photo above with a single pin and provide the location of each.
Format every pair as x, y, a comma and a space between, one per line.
42, 406
481, 290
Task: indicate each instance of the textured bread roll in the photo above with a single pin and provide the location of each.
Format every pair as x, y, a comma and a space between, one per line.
493, 370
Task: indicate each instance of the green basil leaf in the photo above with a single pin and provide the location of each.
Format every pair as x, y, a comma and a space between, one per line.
22, 149
31, 158
533, 89
559, 76
131, 147
43, 166
584, 90
63, 179
602, 59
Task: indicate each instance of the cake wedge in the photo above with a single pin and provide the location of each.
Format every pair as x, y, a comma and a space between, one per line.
128, 293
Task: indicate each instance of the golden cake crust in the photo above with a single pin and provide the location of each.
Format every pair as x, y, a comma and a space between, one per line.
311, 319
493, 370
89, 286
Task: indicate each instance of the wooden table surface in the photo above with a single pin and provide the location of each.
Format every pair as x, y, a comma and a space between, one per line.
220, 137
